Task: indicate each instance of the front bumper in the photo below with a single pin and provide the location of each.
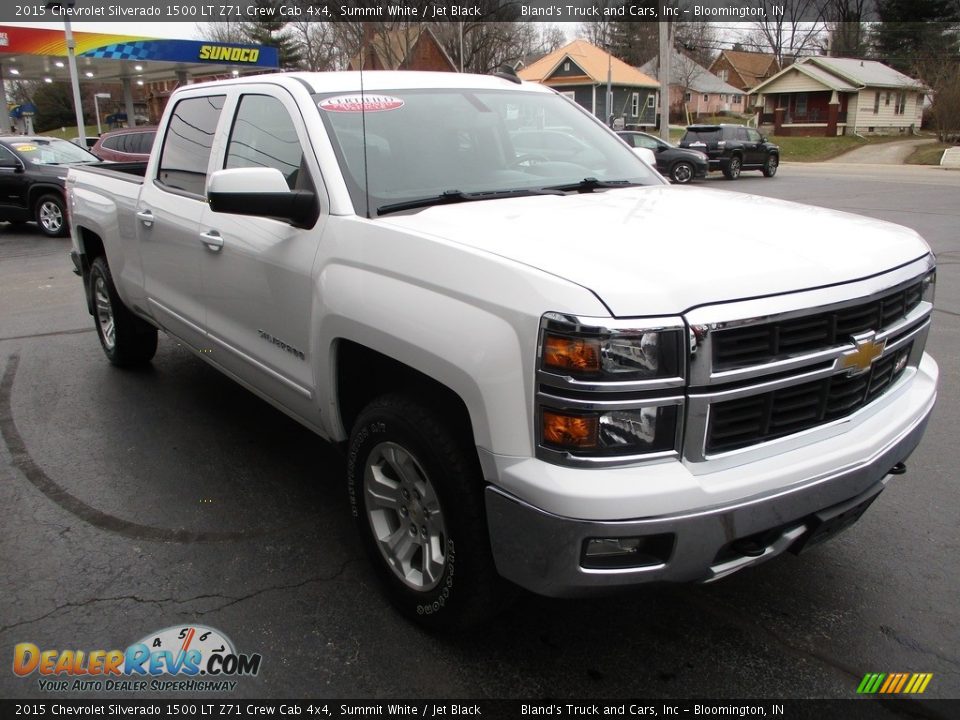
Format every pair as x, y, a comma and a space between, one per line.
544, 552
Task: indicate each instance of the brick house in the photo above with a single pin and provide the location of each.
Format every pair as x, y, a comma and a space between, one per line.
409, 48
744, 70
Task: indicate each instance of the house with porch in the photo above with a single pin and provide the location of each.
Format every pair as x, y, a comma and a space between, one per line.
840, 96
580, 71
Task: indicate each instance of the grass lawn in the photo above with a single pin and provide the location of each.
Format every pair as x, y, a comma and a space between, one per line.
71, 132
928, 154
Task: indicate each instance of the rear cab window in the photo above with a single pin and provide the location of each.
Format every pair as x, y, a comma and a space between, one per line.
187, 144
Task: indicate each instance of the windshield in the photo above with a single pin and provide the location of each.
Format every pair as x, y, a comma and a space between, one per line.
424, 143
42, 151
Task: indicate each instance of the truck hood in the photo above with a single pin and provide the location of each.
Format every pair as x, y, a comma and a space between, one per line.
663, 250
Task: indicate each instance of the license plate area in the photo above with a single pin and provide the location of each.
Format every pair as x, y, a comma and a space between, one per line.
831, 522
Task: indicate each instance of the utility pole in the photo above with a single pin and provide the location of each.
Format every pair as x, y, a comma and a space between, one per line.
664, 78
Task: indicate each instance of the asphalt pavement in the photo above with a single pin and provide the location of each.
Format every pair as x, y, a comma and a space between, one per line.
137, 501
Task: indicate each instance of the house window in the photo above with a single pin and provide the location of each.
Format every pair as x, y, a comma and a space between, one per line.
723, 75
876, 103
570, 95
686, 97
635, 104
887, 101
901, 102
737, 99
706, 98
566, 67
801, 106
651, 101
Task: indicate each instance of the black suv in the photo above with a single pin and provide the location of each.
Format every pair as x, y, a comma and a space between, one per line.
732, 148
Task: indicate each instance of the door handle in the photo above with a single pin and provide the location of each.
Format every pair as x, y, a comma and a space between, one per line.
212, 239
146, 217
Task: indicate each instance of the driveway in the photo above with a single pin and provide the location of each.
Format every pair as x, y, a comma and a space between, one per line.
891, 153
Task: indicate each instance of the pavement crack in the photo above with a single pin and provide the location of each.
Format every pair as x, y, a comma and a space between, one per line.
118, 598
912, 644
274, 588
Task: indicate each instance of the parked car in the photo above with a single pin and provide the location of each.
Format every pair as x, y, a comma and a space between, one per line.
681, 165
536, 376
32, 175
125, 145
732, 148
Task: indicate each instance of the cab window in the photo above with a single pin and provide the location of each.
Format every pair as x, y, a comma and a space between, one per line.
187, 142
263, 135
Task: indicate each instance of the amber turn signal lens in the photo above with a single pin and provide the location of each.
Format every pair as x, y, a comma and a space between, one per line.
571, 354
569, 431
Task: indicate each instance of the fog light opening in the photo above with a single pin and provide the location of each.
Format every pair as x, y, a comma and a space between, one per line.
612, 553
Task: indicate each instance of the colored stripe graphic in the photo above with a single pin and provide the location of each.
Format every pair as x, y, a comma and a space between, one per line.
894, 683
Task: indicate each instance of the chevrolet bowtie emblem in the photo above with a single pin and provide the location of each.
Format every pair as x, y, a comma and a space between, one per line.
860, 359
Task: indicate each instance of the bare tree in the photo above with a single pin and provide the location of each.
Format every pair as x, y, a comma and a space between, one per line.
317, 42
222, 31
846, 27
699, 40
942, 77
798, 31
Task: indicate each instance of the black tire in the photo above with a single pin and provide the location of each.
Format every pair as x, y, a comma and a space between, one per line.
394, 432
133, 341
771, 165
732, 170
681, 173
51, 215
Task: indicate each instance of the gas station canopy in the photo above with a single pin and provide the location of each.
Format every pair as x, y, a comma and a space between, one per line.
41, 54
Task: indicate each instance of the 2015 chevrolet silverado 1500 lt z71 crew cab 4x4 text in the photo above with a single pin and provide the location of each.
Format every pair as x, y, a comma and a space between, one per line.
536, 378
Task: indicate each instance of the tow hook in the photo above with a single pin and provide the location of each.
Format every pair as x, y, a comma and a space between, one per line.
898, 469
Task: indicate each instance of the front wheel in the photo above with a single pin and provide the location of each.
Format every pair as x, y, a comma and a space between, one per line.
416, 493
681, 173
732, 170
127, 341
51, 215
770, 166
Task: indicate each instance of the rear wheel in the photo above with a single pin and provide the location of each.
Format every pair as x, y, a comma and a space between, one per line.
771, 165
126, 340
732, 170
51, 215
417, 497
681, 173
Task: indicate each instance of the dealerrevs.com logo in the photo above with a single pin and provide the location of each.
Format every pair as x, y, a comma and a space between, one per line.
180, 658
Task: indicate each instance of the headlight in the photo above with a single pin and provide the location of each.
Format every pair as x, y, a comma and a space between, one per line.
609, 391
579, 349
928, 287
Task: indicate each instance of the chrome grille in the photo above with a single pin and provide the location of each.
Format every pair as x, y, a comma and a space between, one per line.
766, 342
755, 419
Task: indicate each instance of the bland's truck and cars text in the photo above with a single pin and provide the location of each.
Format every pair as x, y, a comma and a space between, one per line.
538, 380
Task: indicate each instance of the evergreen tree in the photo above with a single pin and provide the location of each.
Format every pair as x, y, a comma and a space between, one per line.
912, 31
272, 31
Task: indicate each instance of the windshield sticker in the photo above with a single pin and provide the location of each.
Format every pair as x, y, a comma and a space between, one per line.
360, 103
26, 148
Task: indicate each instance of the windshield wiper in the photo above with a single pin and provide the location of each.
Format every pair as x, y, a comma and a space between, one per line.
588, 185
456, 196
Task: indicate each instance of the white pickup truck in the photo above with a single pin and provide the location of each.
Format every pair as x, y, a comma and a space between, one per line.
539, 373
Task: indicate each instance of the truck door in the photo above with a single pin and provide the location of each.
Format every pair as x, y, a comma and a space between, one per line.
257, 271
168, 214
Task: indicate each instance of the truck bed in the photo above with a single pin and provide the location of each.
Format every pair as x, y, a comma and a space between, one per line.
129, 171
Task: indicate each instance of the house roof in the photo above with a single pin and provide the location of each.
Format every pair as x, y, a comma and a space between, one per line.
593, 61
393, 47
846, 74
751, 66
684, 71
865, 72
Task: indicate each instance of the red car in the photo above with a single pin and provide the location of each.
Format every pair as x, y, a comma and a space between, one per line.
126, 144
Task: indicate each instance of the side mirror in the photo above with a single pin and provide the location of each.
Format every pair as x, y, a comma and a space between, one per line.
261, 192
